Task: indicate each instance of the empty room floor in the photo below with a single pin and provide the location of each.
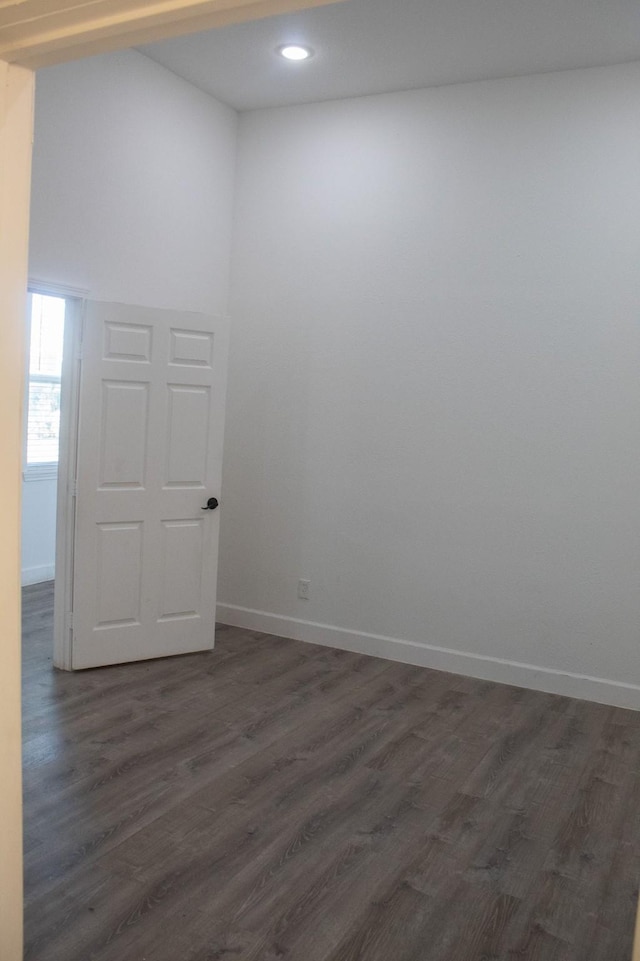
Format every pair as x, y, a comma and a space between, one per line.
278, 800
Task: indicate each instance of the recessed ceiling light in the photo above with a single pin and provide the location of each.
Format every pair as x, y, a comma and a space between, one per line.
294, 51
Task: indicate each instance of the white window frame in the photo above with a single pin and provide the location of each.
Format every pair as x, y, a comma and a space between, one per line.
37, 471
73, 297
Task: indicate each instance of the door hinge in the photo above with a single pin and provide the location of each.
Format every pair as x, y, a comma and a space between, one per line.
73, 488
68, 622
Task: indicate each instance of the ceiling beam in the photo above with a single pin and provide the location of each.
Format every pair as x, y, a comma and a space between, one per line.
39, 33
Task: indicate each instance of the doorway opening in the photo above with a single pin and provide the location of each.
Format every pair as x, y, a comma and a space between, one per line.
53, 331
134, 567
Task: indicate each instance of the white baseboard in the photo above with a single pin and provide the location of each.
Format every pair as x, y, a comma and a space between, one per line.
485, 668
36, 575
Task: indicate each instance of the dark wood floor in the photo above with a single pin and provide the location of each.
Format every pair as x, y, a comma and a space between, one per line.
275, 800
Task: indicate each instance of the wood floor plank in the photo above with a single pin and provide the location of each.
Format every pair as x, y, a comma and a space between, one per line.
278, 801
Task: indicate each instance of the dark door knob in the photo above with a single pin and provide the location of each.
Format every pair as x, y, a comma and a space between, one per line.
212, 503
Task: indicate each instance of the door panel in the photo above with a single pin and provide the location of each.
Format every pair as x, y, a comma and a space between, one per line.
181, 584
118, 574
186, 460
124, 428
149, 457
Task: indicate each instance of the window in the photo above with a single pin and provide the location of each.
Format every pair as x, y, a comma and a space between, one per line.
46, 321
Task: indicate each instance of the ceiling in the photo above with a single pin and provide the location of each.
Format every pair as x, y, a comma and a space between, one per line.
40, 33
373, 46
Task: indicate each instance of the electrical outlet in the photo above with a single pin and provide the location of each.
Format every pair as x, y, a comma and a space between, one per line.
303, 590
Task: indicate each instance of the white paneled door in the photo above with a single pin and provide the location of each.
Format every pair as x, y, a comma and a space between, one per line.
149, 455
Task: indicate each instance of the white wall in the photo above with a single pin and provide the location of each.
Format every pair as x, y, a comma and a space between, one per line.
434, 389
38, 530
133, 178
